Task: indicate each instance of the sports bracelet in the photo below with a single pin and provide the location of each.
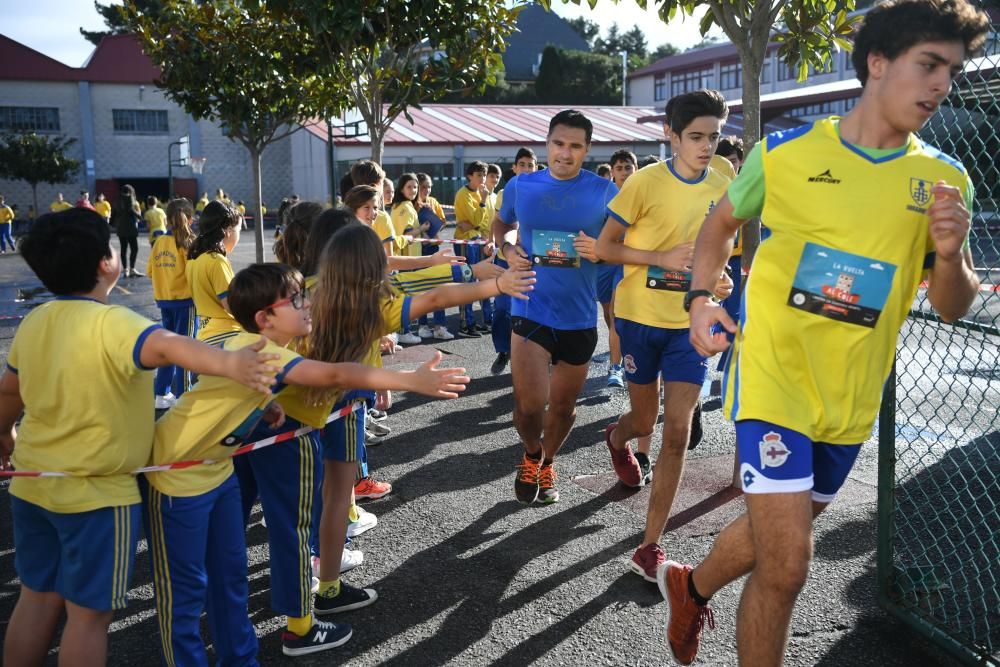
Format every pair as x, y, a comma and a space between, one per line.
497, 280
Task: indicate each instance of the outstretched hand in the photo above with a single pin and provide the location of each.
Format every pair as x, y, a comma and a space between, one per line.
486, 270
516, 284
446, 256
436, 382
252, 368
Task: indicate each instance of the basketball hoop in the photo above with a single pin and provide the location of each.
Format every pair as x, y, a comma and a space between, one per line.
198, 164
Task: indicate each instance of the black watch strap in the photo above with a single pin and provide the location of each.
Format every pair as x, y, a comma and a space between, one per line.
694, 294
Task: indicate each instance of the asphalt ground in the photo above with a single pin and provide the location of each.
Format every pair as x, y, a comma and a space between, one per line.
466, 576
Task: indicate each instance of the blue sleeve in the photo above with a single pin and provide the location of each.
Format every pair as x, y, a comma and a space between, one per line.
404, 319
139, 342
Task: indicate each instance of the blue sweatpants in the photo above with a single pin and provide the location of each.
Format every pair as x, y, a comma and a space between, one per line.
501, 317
198, 550
472, 254
180, 320
288, 478
5, 237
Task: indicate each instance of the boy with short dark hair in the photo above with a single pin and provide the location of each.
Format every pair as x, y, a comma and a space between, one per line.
473, 214
92, 513
824, 305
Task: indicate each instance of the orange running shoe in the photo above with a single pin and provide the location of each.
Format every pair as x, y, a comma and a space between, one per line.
686, 616
526, 480
371, 489
547, 491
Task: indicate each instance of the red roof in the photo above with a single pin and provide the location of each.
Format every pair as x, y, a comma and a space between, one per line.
447, 124
118, 59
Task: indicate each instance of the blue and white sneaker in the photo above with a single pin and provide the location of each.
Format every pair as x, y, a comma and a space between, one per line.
616, 376
322, 635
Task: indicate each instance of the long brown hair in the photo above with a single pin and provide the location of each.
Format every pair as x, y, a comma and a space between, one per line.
179, 215
347, 299
299, 218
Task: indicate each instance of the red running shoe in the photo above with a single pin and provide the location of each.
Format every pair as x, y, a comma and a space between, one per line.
624, 462
686, 616
646, 561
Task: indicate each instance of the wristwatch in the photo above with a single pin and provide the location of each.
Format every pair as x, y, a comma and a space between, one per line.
694, 294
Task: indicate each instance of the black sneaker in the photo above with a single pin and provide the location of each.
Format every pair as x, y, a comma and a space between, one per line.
348, 599
321, 636
468, 332
526, 480
547, 491
696, 430
647, 473
500, 363
483, 328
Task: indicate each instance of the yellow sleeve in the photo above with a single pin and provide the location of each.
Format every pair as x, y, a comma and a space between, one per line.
220, 274
124, 332
395, 313
383, 227
468, 209
723, 165
628, 205
422, 280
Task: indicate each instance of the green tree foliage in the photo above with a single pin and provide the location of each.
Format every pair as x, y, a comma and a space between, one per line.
586, 29
36, 158
663, 51
113, 18
392, 55
236, 63
577, 77
633, 41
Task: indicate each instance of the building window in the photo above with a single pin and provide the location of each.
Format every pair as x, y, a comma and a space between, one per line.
848, 63
29, 119
140, 121
821, 109
786, 72
765, 71
731, 76
849, 103
660, 87
687, 82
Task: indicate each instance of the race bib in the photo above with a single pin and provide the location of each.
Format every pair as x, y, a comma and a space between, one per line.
554, 249
841, 286
672, 281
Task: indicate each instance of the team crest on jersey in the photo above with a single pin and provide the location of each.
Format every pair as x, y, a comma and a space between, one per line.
629, 363
773, 452
920, 193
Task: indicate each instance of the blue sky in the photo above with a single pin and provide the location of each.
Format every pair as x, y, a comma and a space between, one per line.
52, 26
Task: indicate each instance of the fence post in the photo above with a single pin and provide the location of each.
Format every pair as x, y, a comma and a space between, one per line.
886, 486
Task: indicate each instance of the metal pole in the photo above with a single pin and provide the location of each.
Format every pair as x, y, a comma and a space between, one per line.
332, 177
624, 77
170, 170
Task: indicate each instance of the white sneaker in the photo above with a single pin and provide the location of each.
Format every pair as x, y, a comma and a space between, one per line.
366, 521
442, 333
165, 402
351, 559
425, 331
408, 338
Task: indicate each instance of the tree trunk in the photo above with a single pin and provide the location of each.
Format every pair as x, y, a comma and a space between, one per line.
258, 228
377, 133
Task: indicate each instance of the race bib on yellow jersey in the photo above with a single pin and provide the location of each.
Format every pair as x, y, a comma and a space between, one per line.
672, 281
554, 249
841, 286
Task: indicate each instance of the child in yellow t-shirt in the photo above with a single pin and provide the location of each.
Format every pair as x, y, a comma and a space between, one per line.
156, 219
209, 272
6, 223
197, 540
166, 268
473, 218
103, 207
75, 537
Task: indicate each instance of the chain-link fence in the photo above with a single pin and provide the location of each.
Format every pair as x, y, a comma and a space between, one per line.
939, 430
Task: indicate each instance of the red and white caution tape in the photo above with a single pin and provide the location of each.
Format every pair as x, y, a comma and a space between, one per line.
412, 239
250, 447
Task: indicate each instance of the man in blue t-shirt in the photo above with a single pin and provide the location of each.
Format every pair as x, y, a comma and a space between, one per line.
549, 222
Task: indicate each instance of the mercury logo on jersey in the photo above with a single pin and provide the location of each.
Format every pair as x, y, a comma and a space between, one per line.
825, 177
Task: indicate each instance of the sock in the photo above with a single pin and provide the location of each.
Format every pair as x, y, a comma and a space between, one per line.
300, 625
534, 457
329, 589
695, 595
352, 513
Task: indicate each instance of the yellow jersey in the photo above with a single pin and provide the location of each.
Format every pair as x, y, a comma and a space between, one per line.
384, 228
208, 276
62, 347
209, 421
166, 268
470, 208
833, 284
103, 208
294, 400
200, 206
660, 210
57, 206
156, 222
405, 222
6, 215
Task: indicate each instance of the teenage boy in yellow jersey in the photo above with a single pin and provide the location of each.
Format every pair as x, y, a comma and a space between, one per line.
473, 214
525, 162
659, 212
812, 349
156, 219
6, 223
59, 204
103, 207
75, 537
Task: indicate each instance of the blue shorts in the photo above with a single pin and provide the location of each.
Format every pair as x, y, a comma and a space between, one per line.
608, 277
85, 557
648, 352
774, 459
344, 439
